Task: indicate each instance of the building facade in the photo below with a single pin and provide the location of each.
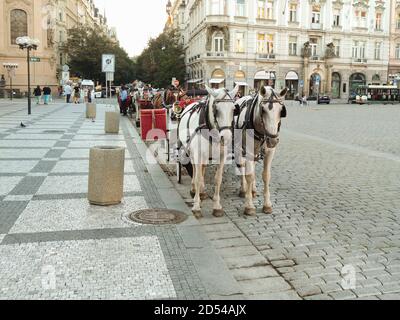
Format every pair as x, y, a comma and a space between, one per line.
394, 62
49, 22
309, 46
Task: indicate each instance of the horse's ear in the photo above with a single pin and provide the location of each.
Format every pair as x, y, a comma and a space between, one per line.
234, 92
210, 91
284, 92
263, 91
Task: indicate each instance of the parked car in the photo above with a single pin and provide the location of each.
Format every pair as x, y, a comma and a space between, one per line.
352, 97
324, 98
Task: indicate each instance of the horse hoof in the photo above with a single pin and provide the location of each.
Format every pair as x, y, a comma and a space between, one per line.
197, 214
218, 213
251, 212
267, 210
242, 194
203, 196
192, 194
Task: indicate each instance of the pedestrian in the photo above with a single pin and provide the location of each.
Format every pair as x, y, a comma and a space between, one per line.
68, 92
77, 94
304, 99
46, 94
89, 95
124, 99
38, 94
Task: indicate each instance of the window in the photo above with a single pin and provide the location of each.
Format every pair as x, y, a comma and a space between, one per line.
239, 42
261, 9
316, 15
265, 9
18, 24
219, 43
292, 46
336, 18
361, 19
336, 43
397, 54
314, 46
378, 46
359, 49
398, 21
293, 12
216, 7
265, 43
240, 8
378, 21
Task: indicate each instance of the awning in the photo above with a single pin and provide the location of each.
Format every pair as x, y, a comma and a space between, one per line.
216, 81
242, 84
264, 75
195, 80
292, 76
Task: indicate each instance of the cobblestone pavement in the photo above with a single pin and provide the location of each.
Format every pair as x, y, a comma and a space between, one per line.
335, 190
54, 245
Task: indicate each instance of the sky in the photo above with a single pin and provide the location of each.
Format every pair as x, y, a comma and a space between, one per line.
136, 21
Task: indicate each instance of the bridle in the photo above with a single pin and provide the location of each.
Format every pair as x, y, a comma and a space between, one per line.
215, 112
271, 101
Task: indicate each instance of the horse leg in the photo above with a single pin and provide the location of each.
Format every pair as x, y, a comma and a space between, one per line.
197, 201
243, 183
269, 156
203, 194
193, 191
218, 212
250, 209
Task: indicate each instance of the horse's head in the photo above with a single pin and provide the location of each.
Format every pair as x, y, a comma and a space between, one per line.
271, 110
221, 112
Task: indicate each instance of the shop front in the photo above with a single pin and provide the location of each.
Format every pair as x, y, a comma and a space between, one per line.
217, 79
292, 83
336, 85
240, 80
356, 80
266, 77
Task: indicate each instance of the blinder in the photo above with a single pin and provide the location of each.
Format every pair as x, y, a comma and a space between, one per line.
215, 110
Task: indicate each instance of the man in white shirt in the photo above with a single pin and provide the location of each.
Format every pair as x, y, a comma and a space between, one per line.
68, 92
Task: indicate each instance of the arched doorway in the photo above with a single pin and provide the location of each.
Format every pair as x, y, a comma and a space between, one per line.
356, 80
376, 79
315, 85
217, 79
336, 85
240, 79
266, 77
292, 83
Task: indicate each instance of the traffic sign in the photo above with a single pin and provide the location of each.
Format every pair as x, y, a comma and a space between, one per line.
35, 59
108, 62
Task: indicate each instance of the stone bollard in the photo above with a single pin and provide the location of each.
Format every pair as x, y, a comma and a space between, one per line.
112, 122
90, 110
106, 175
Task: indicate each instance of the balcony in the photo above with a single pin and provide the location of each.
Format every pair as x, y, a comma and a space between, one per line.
266, 56
315, 58
316, 26
217, 19
212, 54
360, 60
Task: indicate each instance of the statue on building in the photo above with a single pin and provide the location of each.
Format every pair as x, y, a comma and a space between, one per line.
330, 51
306, 51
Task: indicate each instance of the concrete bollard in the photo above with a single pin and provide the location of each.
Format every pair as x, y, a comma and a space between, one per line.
90, 110
106, 175
112, 122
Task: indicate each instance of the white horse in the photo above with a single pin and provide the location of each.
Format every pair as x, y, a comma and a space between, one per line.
205, 132
260, 119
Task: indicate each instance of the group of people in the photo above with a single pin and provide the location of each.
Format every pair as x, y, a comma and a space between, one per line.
46, 92
76, 93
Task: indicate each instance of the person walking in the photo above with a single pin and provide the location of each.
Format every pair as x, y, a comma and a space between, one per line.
46, 94
77, 94
38, 94
124, 99
68, 92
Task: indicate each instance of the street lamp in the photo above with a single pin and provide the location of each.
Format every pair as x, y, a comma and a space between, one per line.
169, 7
11, 67
28, 44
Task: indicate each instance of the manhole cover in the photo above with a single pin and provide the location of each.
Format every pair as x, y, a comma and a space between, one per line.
53, 131
158, 216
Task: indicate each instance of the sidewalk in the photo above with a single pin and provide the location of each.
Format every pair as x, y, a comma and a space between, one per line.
54, 245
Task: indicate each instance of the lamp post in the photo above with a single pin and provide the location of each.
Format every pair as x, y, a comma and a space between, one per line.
28, 44
11, 67
169, 7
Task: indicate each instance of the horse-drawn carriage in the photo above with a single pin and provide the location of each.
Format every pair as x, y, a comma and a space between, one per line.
143, 100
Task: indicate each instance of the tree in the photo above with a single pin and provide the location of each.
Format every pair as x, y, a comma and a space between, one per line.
163, 59
85, 47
